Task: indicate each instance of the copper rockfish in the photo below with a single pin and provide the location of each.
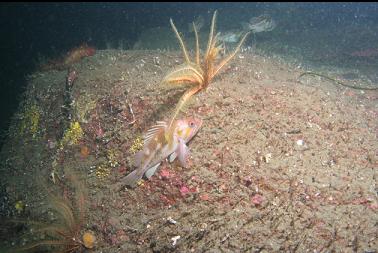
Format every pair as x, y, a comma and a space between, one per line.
161, 142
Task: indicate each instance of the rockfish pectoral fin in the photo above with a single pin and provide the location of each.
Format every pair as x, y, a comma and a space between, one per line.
183, 153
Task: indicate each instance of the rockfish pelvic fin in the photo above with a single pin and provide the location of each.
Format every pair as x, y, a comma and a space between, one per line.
172, 157
183, 153
151, 171
132, 179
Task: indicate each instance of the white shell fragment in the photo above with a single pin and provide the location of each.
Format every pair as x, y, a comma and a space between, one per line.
267, 158
300, 142
175, 239
170, 220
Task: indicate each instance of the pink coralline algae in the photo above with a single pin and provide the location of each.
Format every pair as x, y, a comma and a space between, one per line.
257, 199
165, 174
184, 190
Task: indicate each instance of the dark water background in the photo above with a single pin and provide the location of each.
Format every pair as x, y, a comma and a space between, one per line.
31, 30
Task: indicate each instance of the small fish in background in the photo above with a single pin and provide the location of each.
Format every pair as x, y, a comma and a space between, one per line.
367, 53
232, 36
71, 57
262, 23
161, 142
78, 53
198, 21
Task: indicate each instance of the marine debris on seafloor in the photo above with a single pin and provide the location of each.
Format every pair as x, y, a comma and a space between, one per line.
73, 56
333, 80
198, 74
72, 131
68, 97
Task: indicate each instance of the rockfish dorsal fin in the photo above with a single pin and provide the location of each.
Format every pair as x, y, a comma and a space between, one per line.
160, 125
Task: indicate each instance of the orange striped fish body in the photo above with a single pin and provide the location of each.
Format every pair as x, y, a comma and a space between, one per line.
161, 142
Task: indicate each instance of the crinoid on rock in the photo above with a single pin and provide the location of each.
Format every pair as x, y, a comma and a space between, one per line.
64, 232
198, 74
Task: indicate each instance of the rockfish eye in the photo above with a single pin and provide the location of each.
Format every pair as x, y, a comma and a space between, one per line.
191, 124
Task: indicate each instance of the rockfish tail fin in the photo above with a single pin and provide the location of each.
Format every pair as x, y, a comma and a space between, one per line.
132, 179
